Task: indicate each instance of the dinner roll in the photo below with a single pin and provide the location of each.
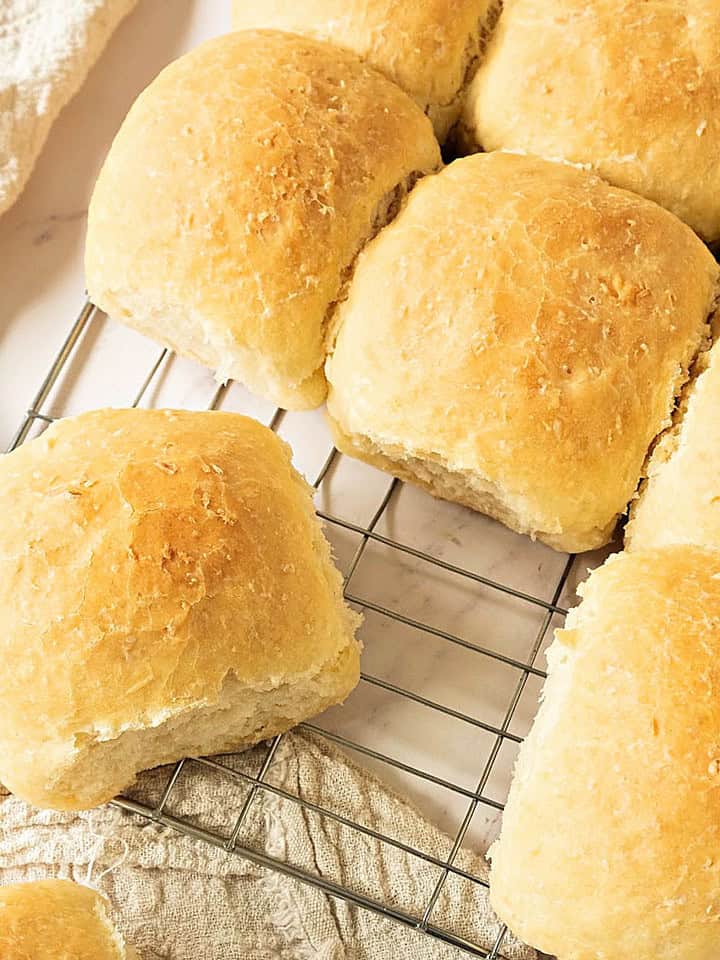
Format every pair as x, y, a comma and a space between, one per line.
610, 843
515, 339
680, 500
236, 195
165, 590
58, 920
630, 89
430, 49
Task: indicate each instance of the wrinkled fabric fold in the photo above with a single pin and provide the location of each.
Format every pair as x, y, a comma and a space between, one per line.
183, 899
46, 50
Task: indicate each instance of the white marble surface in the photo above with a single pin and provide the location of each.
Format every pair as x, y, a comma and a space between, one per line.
41, 290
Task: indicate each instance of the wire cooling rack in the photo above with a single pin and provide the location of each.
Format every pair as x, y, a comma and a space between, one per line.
496, 735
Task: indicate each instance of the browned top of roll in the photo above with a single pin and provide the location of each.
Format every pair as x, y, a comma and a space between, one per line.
632, 89
236, 194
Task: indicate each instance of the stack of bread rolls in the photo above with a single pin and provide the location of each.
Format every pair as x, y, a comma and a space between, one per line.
526, 336
513, 337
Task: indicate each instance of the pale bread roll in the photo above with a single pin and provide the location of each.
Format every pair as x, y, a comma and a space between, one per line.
58, 920
610, 842
236, 195
631, 89
165, 590
680, 500
515, 340
430, 49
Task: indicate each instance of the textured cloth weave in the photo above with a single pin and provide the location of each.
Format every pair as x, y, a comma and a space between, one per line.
46, 50
182, 899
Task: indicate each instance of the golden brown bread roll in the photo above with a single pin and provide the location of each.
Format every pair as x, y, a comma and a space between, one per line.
680, 500
236, 195
165, 590
515, 339
630, 89
430, 49
610, 843
58, 920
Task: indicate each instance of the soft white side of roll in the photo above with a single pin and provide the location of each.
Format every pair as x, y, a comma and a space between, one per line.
680, 500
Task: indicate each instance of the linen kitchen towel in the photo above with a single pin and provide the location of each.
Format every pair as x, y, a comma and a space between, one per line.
46, 50
183, 899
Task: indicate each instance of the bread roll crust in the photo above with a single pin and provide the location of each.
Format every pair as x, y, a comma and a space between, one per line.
166, 589
632, 90
515, 339
236, 195
610, 845
430, 49
57, 920
679, 502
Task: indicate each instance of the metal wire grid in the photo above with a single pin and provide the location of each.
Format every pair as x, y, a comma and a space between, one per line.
258, 783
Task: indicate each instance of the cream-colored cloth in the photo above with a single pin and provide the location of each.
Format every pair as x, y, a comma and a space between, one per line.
46, 50
183, 899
